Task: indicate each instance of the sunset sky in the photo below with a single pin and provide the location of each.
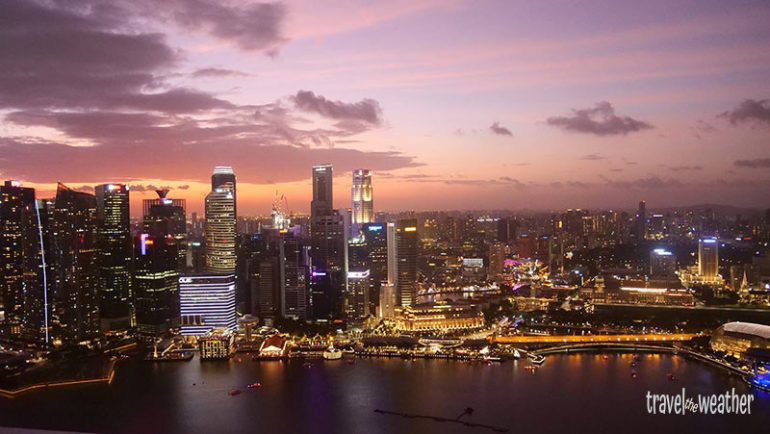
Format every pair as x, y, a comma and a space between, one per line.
452, 104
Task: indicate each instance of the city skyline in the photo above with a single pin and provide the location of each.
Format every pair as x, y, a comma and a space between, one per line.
532, 106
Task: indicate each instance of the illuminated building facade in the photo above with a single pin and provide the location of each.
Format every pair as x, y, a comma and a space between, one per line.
36, 247
708, 259
14, 199
357, 294
156, 294
224, 177
363, 202
115, 249
165, 218
74, 257
740, 339
442, 316
206, 302
407, 242
220, 230
662, 263
216, 344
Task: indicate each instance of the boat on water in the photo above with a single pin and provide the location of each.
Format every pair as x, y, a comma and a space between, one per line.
516, 354
254, 385
307, 365
234, 392
671, 377
536, 359
634, 374
332, 353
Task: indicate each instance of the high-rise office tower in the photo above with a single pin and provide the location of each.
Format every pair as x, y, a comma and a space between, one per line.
641, 221
363, 202
156, 275
161, 200
708, 258
36, 247
165, 218
662, 263
220, 229
392, 250
206, 302
406, 245
115, 251
74, 256
376, 236
496, 260
14, 200
224, 177
294, 299
323, 194
357, 294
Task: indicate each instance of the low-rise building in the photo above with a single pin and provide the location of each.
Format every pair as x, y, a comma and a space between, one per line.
216, 344
440, 315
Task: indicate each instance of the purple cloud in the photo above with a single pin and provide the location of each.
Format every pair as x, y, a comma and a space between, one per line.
756, 163
498, 129
366, 110
750, 110
600, 120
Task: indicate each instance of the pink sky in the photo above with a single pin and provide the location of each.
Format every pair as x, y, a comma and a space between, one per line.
452, 104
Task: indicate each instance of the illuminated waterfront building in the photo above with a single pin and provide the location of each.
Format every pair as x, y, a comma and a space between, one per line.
741, 339
155, 285
220, 229
206, 302
14, 199
440, 316
74, 258
115, 249
363, 202
216, 344
406, 247
386, 308
708, 259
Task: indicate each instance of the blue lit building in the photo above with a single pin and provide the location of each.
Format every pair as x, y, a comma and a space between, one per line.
206, 302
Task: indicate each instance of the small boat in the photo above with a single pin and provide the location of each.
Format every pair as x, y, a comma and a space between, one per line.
351, 362
254, 385
307, 365
606, 357
633, 374
234, 392
671, 377
332, 353
516, 354
633, 364
536, 359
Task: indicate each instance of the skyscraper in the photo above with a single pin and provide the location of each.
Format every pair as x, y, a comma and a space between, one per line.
14, 199
165, 218
206, 302
74, 256
708, 259
406, 246
115, 250
363, 202
641, 221
36, 247
662, 263
323, 194
224, 177
156, 296
220, 228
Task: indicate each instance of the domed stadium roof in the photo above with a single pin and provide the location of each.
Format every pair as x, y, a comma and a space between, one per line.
748, 328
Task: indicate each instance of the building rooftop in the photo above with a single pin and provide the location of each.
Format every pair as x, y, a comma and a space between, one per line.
748, 328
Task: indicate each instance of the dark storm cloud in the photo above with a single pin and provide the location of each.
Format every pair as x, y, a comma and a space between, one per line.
217, 72
751, 111
366, 110
756, 163
600, 120
498, 129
